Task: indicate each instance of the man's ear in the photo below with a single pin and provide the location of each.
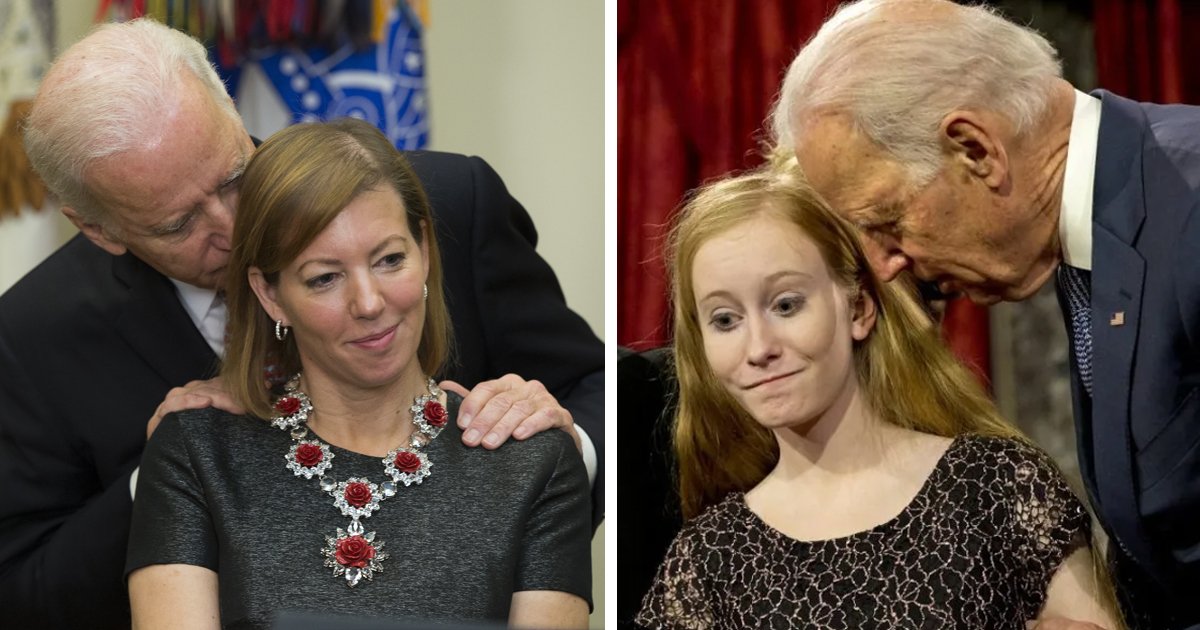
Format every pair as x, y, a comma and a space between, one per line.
862, 315
95, 233
266, 293
975, 141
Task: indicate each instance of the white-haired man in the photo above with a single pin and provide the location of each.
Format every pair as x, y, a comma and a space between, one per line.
134, 133
947, 134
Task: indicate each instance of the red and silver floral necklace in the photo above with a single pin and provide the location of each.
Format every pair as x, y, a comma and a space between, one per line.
351, 552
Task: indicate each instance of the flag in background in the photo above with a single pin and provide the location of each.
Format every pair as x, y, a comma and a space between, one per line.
383, 83
299, 61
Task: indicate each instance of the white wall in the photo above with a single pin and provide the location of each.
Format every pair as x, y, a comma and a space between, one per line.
521, 84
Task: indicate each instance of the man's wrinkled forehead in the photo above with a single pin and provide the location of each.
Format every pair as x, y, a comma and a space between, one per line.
854, 176
833, 156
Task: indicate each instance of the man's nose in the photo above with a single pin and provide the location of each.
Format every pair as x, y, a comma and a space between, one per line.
220, 216
885, 255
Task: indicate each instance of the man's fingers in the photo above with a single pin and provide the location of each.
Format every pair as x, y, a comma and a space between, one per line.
483, 427
536, 423
475, 401
510, 406
176, 401
518, 412
545, 418
195, 395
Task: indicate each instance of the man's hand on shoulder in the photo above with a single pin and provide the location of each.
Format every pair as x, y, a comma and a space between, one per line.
195, 395
509, 405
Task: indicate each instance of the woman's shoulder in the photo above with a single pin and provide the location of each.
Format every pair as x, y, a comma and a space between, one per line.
1022, 476
208, 428
1007, 457
728, 516
213, 445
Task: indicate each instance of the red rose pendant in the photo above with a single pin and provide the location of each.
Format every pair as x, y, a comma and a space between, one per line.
353, 554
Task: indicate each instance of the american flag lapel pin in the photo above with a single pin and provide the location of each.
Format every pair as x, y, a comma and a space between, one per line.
1118, 319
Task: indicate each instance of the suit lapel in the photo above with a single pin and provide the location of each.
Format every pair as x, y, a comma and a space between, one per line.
152, 321
1117, 297
1118, 274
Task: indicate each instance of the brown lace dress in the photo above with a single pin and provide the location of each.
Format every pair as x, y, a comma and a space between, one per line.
976, 548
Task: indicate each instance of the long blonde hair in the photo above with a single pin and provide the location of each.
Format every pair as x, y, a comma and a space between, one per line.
719, 447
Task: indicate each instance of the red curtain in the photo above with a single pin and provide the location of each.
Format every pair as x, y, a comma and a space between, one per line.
695, 82
1139, 49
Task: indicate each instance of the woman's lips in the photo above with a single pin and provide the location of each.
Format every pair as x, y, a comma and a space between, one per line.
772, 379
375, 341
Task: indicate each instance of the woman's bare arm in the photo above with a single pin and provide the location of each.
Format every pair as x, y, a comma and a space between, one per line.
1074, 598
547, 610
174, 597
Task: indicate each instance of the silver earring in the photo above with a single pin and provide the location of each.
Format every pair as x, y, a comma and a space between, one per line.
425, 291
281, 331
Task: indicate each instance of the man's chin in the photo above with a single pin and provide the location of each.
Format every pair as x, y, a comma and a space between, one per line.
983, 296
215, 281
982, 299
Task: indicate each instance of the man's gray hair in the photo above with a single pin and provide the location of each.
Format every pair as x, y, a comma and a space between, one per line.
108, 94
897, 67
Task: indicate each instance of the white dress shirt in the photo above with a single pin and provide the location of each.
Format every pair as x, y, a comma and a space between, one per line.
1079, 176
207, 312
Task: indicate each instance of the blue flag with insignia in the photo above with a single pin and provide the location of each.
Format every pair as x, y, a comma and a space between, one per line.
383, 84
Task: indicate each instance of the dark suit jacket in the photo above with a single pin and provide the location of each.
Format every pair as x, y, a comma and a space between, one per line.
1139, 439
647, 492
91, 343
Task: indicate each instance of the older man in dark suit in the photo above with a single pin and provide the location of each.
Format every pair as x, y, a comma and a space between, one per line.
92, 340
947, 134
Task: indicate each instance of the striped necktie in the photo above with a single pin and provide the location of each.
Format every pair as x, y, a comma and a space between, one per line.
1077, 286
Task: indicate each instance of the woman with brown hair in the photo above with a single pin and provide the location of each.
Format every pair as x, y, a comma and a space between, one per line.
839, 467
337, 494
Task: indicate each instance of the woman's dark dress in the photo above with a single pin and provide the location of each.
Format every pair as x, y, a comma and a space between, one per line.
975, 549
214, 492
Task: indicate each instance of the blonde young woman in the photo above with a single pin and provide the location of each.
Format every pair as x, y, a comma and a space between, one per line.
839, 467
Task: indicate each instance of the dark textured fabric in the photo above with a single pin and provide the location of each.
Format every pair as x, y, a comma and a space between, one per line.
646, 487
91, 343
976, 548
1077, 291
214, 491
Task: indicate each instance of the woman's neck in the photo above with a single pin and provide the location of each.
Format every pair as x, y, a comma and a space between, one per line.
843, 473
371, 421
849, 437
